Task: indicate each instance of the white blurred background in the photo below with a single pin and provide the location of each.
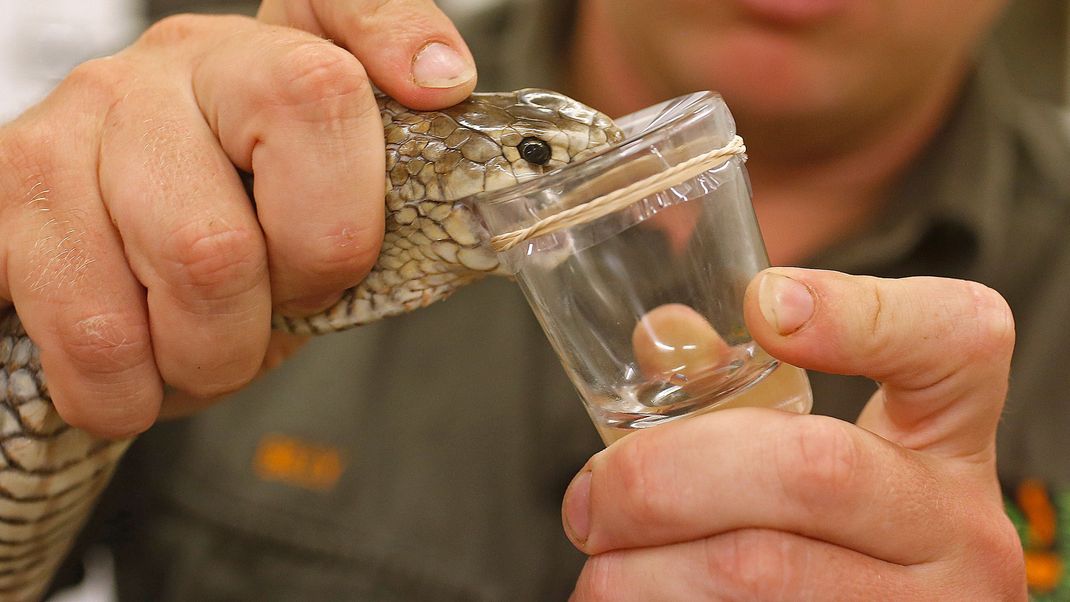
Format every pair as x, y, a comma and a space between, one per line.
40, 40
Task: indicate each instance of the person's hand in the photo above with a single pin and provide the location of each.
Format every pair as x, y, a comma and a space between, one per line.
752, 504
127, 243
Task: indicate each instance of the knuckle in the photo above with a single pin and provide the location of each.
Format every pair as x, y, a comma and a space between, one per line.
212, 264
599, 579
24, 146
378, 10
315, 72
108, 349
174, 29
635, 471
105, 345
100, 81
1001, 554
756, 564
342, 257
995, 334
114, 420
880, 334
225, 383
381, 7
34, 144
413, 14
208, 373
818, 462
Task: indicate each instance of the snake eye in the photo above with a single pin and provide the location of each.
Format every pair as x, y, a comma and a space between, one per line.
534, 150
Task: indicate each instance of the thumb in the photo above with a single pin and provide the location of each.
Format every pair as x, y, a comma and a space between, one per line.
409, 48
940, 348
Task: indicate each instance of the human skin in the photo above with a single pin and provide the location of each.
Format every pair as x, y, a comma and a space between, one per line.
839, 78
751, 504
126, 239
833, 108
124, 294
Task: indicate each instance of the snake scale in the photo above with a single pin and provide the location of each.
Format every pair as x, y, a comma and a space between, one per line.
51, 473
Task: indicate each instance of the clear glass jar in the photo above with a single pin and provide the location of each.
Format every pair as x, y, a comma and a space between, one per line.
644, 305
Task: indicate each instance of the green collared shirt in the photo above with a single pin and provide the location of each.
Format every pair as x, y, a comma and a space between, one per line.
425, 457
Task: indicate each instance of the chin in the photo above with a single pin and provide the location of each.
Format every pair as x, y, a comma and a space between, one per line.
763, 74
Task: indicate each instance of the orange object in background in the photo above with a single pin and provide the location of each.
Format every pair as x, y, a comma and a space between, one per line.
1043, 565
296, 462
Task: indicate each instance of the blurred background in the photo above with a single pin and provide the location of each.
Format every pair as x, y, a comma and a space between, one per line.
1035, 35
41, 41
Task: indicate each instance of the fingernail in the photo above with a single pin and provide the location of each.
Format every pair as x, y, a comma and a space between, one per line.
309, 305
439, 66
578, 507
786, 304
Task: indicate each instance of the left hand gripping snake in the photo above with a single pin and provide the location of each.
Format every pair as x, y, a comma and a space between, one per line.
52, 473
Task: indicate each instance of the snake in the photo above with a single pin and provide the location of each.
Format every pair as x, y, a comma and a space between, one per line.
435, 242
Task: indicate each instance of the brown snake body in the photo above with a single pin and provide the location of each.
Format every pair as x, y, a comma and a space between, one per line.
51, 473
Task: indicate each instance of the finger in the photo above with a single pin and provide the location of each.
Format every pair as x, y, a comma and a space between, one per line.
749, 564
941, 349
409, 47
299, 113
675, 343
810, 475
191, 238
282, 345
64, 269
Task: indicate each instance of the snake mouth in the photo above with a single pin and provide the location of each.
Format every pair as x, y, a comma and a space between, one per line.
593, 152
641, 142
614, 137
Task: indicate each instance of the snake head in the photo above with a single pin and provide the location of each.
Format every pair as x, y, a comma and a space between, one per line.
537, 130
488, 142
433, 243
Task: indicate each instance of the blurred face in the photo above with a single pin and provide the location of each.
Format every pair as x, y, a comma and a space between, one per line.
779, 59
